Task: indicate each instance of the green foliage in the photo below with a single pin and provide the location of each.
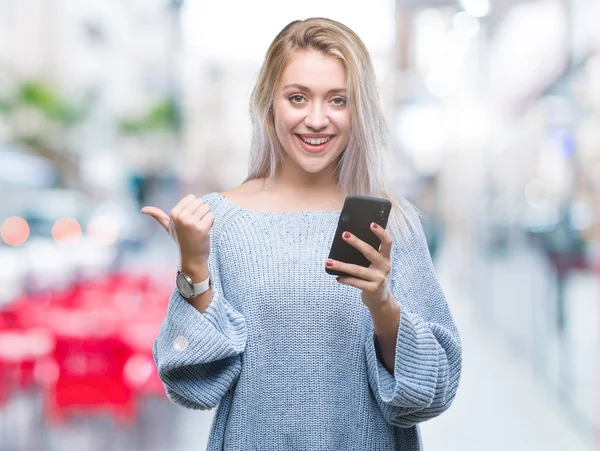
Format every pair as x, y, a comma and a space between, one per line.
5, 106
45, 99
162, 116
29, 141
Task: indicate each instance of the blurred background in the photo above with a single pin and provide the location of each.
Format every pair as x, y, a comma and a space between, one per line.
106, 106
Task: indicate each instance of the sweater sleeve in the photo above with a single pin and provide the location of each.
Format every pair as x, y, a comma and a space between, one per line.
198, 355
428, 356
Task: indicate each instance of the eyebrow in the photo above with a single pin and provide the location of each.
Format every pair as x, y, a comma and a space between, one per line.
304, 88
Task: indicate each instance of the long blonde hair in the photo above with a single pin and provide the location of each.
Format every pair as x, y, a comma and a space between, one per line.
361, 168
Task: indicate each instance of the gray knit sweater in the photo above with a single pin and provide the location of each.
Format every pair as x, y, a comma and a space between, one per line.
288, 354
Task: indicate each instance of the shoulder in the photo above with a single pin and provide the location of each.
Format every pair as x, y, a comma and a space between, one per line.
249, 195
412, 216
218, 199
405, 220
249, 189
226, 205
409, 236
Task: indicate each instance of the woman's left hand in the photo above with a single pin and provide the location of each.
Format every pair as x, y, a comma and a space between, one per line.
374, 280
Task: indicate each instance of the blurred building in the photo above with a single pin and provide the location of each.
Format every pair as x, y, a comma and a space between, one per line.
217, 122
499, 102
117, 59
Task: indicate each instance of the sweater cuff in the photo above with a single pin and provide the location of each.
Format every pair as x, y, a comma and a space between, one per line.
188, 336
415, 367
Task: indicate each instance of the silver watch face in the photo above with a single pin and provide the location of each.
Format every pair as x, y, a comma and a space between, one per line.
184, 287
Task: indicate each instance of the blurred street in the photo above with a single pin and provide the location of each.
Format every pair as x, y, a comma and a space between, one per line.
501, 405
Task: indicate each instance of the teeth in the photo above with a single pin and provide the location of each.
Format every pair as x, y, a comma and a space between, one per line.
315, 142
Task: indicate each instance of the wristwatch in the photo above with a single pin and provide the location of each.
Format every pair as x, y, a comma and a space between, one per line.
189, 289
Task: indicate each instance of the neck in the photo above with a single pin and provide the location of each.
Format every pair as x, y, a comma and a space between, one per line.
292, 179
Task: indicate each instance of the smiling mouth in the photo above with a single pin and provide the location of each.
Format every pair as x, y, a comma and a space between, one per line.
315, 145
315, 141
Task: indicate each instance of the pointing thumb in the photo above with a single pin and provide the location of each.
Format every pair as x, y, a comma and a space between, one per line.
160, 216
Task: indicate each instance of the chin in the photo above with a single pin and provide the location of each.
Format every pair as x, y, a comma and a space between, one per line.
315, 169
316, 164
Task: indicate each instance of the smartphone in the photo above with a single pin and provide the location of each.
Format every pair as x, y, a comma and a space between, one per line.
356, 217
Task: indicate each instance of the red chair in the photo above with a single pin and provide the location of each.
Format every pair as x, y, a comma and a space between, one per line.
88, 346
140, 371
90, 359
20, 350
90, 379
3, 384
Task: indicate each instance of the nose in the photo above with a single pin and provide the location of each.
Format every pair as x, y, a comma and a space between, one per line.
316, 117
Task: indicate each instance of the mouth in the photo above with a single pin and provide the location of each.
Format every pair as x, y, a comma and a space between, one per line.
315, 145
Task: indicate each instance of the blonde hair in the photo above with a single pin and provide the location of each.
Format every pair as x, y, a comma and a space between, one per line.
360, 169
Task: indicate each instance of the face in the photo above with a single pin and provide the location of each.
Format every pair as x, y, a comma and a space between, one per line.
312, 119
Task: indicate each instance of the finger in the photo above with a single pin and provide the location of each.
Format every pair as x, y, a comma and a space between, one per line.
356, 270
191, 207
207, 219
182, 204
386, 240
172, 231
354, 282
201, 211
161, 217
366, 249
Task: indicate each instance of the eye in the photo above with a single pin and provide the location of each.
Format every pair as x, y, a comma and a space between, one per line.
339, 101
296, 98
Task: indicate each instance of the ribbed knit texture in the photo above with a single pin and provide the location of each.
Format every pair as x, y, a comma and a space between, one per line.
288, 354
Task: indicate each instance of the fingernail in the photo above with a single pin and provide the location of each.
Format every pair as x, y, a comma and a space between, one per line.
329, 262
346, 235
375, 226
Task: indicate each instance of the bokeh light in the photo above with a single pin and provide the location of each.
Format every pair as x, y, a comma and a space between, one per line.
14, 231
103, 230
66, 230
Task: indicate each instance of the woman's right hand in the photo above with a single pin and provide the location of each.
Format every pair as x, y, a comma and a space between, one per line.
189, 225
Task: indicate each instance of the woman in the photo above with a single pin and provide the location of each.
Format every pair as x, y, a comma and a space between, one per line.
295, 358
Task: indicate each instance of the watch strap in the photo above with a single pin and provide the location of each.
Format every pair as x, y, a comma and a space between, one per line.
201, 287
